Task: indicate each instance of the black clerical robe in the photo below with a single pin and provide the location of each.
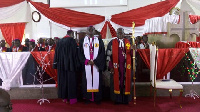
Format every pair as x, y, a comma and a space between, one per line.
66, 62
99, 62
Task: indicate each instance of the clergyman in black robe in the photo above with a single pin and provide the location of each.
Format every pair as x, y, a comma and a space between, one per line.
66, 61
92, 65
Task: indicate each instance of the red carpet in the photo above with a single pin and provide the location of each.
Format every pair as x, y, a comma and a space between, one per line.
144, 104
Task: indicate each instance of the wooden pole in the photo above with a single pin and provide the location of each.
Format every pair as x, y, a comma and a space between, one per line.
133, 43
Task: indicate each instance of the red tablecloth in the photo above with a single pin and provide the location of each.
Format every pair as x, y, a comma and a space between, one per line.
39, 57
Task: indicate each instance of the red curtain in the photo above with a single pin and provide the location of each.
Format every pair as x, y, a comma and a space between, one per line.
49, 58
6, 3
139, 15
145, 54
68, 17
104, 30
12, 31
187, 45
194, 18
168, 59
198, 38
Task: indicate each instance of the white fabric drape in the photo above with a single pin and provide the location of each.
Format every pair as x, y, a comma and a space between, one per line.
195, 5
195, 52
152, 63
14, 14
159, 24
138, 30
11, 67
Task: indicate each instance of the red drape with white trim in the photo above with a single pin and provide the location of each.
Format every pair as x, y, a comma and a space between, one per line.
139, 15
104, 30
12, 31
194, 19
49, 58
68, 17
6, 3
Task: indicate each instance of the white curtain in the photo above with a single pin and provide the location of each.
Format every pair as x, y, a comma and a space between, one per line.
14, 14
159, 24
138, 30
195, 5
11, 67
195, 52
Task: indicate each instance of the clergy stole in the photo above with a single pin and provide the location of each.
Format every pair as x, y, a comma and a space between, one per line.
3, 49
17, 49
115, 47
91, 49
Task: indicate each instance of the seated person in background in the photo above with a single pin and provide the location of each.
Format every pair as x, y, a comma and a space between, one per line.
145, 41
32, 46
17, 46
51, 45
26, 45
46, 42
41, 45
12, 44
56, 39
2, 46
138, 42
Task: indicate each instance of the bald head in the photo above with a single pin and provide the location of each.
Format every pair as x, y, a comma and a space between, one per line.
70, 33
120, 33
90, 31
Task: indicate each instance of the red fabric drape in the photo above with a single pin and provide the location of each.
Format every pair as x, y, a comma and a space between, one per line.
145, 54
187, 45
6, 3
168, 59
104, 30
68, 17
12, 31
194, 18
49, 58
198, 39
139, 15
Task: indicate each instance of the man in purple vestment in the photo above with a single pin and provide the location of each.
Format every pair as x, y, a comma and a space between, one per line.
121, 96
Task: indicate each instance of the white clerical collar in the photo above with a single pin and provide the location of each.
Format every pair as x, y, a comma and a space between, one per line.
121, 42
17, 49
50, 48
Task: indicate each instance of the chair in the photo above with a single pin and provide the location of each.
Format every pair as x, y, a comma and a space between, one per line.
159, 83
